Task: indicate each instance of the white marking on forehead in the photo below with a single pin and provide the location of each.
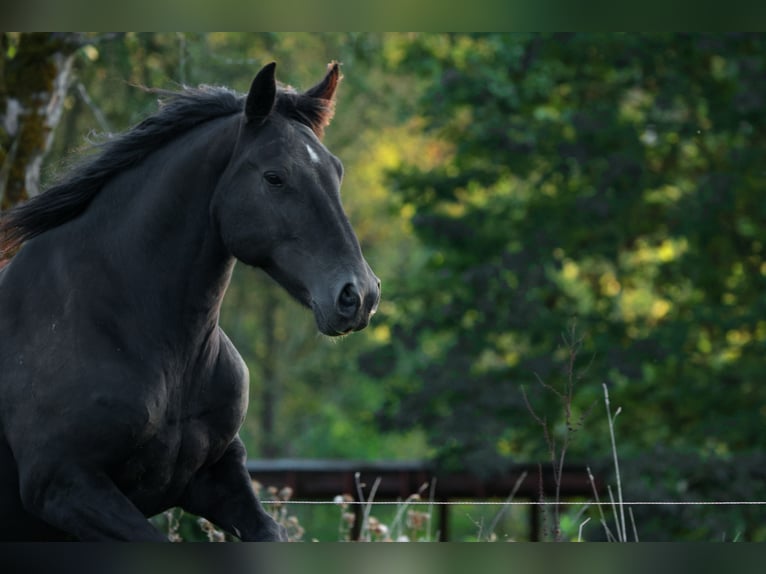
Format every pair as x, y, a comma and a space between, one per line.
312, 154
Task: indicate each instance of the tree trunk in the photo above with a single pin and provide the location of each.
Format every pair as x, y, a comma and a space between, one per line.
268, 446
35, 71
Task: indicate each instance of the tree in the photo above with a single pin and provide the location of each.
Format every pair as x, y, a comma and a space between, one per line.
614, 179
35, 71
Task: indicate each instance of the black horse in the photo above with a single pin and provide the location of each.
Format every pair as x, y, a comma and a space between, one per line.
120, 395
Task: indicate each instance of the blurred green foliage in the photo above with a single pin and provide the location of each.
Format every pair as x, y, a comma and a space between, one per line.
612, 180
506, 187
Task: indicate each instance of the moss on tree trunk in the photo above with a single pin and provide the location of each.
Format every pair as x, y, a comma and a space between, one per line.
35, 70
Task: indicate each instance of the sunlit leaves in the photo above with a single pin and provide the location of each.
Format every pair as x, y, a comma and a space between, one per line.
614, 178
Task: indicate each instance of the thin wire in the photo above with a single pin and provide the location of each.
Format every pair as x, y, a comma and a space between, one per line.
523, 503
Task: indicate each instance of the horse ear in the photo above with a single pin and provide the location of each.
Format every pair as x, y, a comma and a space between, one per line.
263, 94
325, 89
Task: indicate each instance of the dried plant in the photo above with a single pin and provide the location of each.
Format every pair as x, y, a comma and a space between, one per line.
557, 449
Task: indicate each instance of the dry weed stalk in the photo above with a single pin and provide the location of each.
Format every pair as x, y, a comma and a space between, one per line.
557, 451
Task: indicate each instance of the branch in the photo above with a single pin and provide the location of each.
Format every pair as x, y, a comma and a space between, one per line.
97, 113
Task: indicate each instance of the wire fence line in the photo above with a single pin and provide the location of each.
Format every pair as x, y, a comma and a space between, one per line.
520, 503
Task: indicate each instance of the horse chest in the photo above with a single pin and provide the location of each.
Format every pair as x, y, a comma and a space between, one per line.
194, 432
158, 472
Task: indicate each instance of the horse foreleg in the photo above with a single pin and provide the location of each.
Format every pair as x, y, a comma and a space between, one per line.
16, 524
223, 493
86, 504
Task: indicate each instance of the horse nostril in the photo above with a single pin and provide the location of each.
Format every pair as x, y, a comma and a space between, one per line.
349, 301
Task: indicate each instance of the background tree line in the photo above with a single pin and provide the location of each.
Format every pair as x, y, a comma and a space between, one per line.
504, 187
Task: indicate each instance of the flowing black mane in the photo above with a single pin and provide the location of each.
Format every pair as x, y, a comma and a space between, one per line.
179, 112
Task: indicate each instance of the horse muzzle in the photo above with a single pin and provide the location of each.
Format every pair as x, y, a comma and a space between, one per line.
355, 304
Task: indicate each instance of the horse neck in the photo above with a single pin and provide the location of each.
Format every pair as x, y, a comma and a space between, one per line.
158, 237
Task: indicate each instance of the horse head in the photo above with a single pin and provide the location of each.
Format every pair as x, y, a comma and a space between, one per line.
278, 204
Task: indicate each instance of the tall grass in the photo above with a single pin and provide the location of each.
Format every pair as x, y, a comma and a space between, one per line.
557, 449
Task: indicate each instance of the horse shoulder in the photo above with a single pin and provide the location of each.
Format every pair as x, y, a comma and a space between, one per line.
227, 391
230, 364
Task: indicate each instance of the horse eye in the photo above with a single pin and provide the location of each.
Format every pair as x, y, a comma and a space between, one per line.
273, 178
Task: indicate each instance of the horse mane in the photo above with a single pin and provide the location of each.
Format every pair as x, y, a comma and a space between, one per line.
178, 113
